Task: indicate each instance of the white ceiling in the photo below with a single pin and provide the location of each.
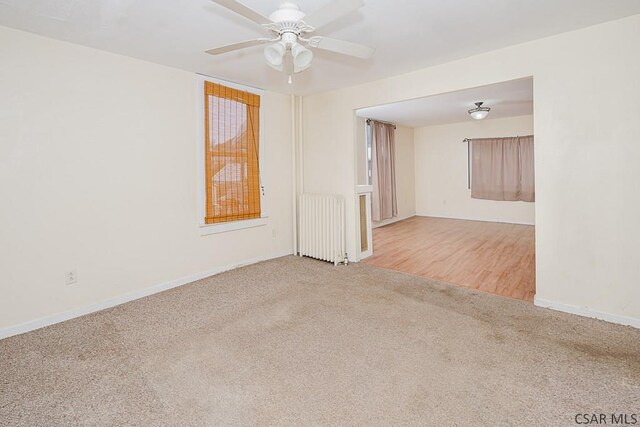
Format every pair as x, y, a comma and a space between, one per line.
408, 34
508, 99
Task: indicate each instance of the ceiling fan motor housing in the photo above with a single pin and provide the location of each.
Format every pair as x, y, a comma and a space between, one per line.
288, 12
289, 38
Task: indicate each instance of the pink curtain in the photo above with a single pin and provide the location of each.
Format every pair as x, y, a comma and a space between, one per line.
527, 173
384, 203
503, 169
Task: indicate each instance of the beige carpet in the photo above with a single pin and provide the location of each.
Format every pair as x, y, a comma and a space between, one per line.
300, 342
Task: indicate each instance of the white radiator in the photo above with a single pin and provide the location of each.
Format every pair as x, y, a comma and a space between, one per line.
322, 228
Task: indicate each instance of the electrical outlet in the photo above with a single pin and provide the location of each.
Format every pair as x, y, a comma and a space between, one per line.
71, 277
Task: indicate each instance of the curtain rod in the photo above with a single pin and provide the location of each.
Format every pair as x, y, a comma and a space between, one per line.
497, 137
380, 121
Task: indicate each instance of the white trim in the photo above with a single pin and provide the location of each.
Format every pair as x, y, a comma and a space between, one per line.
112, 302
364, 189
436, 215
366, 254
255, 90
199, 88
221, 227
299, 177
294, 190
390, 221
587, 312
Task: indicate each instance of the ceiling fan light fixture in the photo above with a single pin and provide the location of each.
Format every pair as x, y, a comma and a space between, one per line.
302, 57
479, 112
274, 54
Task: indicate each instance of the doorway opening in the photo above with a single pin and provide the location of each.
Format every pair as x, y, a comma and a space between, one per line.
461, 204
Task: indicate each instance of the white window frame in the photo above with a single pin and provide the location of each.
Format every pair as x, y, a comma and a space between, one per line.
221, 227
368, 151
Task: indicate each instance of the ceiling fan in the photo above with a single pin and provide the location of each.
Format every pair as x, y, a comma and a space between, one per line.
288, 27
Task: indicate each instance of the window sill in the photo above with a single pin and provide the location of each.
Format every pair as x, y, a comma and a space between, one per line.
206, 229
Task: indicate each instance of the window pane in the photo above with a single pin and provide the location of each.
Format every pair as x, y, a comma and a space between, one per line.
234, 186
369, 153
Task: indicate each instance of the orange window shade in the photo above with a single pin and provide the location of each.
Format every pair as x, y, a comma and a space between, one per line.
232, 167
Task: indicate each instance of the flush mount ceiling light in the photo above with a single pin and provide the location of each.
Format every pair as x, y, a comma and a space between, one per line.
288, 27
479, 112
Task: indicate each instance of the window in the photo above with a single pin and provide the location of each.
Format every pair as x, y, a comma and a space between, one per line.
502, 168
232, 166
369, 153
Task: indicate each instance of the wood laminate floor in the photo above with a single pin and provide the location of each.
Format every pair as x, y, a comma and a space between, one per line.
491, 257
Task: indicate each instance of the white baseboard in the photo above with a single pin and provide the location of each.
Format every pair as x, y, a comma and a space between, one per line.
587, 312
390, 221
436, 215
112, 302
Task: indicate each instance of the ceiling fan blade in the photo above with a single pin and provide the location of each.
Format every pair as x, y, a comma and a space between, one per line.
331, 12
236, 46
243, 10
341, 46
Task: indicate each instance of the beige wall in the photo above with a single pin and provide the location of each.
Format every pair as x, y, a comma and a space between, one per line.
98, 173
105, 182
405, 177
586, 112
441, 171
